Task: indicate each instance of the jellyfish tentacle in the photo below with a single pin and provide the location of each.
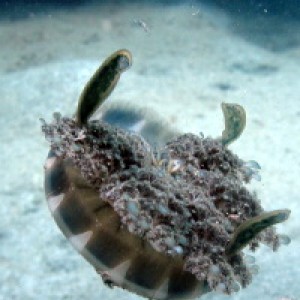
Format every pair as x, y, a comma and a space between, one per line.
248, 230
235, 122
102, 84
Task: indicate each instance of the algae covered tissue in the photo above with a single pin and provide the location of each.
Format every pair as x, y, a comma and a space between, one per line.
166, 219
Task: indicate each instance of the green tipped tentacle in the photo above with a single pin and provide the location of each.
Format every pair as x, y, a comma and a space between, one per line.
235, 122
248, 230
102, 84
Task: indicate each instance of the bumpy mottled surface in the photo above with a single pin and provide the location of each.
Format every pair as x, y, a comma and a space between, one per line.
186, 198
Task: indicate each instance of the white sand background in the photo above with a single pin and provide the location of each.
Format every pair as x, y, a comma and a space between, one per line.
190, 61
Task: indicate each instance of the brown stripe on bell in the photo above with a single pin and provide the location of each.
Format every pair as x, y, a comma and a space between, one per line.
93, 228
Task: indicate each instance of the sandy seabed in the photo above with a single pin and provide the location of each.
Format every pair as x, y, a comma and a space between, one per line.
187, 60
